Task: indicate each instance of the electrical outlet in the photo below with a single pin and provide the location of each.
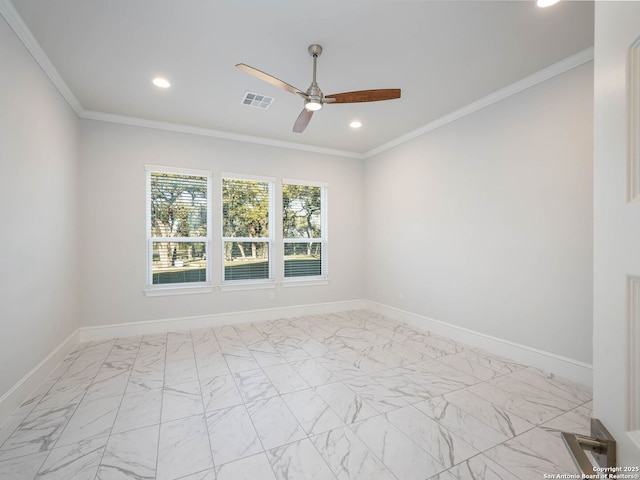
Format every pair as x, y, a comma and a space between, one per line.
272, 295
401, 296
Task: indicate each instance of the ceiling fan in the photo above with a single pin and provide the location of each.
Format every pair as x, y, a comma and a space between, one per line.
314, 99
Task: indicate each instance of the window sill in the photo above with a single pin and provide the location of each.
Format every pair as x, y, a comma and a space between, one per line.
177, 290
306, 282
241, 285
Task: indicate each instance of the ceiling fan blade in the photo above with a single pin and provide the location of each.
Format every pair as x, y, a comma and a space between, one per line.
270, 79
364, 96
302, 121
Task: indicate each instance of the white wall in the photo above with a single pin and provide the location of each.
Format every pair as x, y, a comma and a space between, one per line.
113, 221
39, 254
486, 223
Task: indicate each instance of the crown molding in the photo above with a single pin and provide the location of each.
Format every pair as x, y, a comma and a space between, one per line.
207, 132
13, 18
540, 76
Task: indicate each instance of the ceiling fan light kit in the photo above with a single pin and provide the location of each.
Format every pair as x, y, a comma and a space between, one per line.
314, 99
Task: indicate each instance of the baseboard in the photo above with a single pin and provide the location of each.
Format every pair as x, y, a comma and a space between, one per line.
562, 366
11, 400
104, 332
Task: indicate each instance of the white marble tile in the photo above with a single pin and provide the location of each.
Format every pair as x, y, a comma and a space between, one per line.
462, 424
299, 461
376, 394
256, 467
416, 342
497, 417
208, 474
443, 376
182, 400
108, 385
64, 393
348, 457
313, 372
254, 385
501, 365
153, 340
399, 454
202, 335
349, 406
179, 346
152, 358
359, 365
220, 392
339, 367
291, 351
439, 442
78, 461
407, 354
392, 332
467, 362
10, 425
413, 386
30, 403
535, 405
435, 439
38, 432
314, 348
479, 467
534, 453
240, 360
285, 379
268, 359
92, 419
22, 468
142, 380
558, 386
383, 356
364, 363
213, 365
132, 454
205, 348
313, 414
180, 371
99, 347
577, 421
232, 434
183, 448
138, 410
274, 422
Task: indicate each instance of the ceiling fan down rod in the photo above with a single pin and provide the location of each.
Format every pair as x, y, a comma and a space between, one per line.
315, 50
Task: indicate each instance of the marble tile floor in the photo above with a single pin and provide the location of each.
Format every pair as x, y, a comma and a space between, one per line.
341, 396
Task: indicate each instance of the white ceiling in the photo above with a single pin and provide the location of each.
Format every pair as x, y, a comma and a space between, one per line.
442, 54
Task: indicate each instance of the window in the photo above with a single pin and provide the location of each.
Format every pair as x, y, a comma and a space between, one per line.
246, 228
304, 229
177, 226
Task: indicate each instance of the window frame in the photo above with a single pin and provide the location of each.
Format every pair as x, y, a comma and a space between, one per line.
256, 283
323, 278
152, 289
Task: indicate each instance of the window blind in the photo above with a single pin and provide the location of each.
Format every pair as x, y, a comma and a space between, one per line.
177, 228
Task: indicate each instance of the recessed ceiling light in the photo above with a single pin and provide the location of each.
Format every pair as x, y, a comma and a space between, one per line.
355, 124
547, 3
161, 82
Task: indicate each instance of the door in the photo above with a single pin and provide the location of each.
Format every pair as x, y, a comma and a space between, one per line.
616, 362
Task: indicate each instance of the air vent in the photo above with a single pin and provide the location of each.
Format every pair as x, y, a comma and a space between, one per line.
256, 100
